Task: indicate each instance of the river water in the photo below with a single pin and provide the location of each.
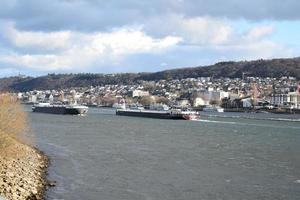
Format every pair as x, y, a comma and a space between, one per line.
223, 156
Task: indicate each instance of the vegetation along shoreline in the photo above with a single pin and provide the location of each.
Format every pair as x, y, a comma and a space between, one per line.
23, 168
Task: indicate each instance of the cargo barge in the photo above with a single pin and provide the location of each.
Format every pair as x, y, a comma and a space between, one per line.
60, 109
170, 114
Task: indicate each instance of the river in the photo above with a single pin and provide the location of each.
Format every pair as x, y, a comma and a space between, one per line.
228, 156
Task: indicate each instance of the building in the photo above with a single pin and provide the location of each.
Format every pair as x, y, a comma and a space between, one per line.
140, 93
199, 101
212, 96
290, 100
294, 98
32, 99
247, 103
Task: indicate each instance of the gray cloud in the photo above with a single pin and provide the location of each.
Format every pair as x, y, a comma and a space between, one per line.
202, 31
95, 15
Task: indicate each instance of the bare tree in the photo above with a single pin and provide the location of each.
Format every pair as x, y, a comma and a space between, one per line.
162, 100
13, 120
214, 102
147, 100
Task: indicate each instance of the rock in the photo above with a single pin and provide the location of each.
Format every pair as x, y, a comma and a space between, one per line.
9, 174
52, 183
22, 177
34, 191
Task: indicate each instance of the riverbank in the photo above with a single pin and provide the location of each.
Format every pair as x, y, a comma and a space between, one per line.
22, 172
265, 110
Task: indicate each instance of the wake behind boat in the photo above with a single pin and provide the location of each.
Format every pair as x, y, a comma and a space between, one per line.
60, 109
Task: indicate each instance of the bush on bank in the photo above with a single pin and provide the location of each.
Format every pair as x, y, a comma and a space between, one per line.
13, 120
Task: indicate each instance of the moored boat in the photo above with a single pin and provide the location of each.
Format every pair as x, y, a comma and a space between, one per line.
60, 109
161, 114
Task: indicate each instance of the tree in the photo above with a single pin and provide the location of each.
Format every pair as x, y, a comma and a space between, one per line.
108, 100
214, 102
162, 100
147, 100
13, 120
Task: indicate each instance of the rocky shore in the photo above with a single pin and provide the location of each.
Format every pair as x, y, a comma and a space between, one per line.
22, 172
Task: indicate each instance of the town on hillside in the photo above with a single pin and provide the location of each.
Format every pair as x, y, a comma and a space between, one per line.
232, 94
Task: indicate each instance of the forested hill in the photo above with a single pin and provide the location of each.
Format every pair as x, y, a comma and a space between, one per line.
260, 68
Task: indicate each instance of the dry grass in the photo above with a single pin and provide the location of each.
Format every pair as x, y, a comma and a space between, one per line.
13, 121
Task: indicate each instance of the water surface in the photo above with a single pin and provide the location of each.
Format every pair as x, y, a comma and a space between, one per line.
104, 156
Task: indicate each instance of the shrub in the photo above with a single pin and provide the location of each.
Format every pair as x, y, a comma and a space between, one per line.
13, 120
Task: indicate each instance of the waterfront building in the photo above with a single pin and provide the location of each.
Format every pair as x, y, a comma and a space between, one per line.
139, 93
291, 100
247, 102
199, 101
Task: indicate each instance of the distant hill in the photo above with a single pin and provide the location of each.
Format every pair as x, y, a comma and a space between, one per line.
61, 81
260, 68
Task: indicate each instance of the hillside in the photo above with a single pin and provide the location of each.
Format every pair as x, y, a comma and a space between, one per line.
60, 81
260, 68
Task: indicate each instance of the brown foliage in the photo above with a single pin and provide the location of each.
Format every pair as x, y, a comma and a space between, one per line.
13, 120
214, 102
162, 100
147, 100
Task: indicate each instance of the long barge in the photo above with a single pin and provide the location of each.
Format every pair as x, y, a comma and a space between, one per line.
170, 114
60, 109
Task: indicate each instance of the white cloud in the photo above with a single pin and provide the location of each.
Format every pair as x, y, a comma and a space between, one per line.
195, 31
254, 44
198, 38
27, 39
254, 50
260, 32
75, 50
99, 15
220, 37
38, 62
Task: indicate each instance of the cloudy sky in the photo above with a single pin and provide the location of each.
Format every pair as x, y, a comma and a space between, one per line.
44, 36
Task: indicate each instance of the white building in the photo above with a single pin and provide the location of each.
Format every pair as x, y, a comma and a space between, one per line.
32, 98
291, 100
208, 96
199, 101
139, 93
51, 98
247, 103
20, 95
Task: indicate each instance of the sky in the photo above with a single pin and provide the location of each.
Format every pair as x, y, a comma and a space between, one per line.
38, 37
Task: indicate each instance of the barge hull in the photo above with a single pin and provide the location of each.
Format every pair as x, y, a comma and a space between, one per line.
158, 115
50, 110
60, 110
75, 111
